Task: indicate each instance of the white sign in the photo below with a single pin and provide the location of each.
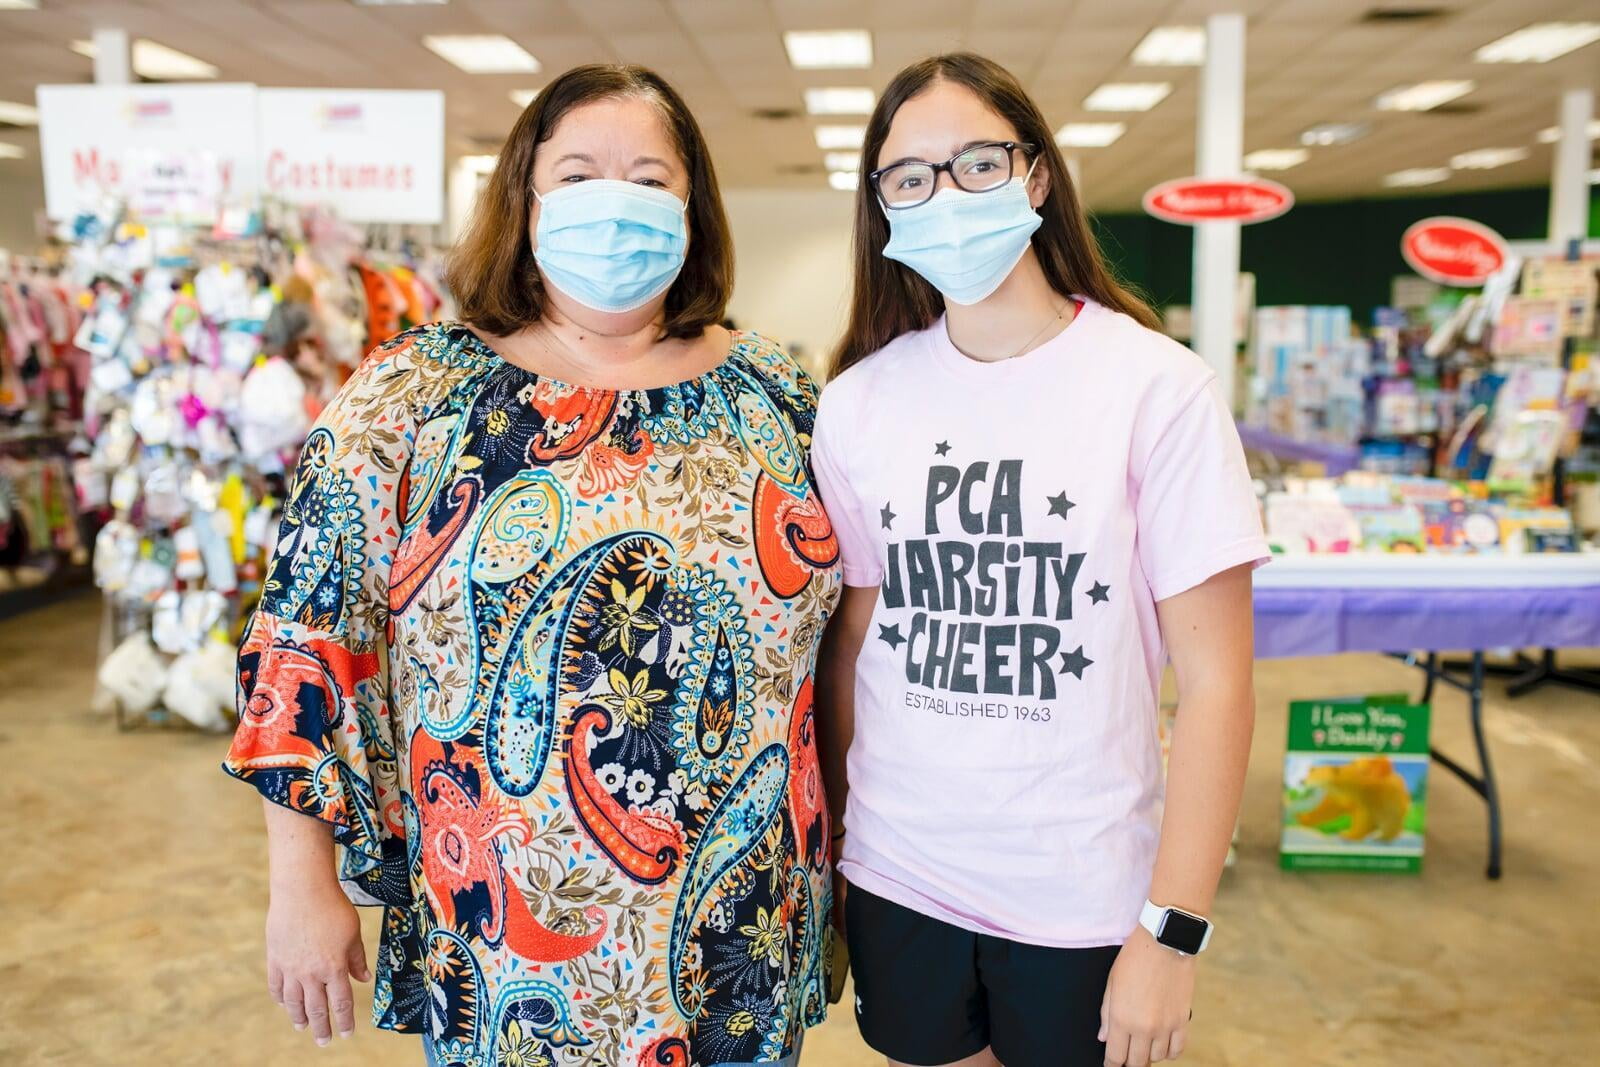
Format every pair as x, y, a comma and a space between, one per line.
371, 155
172, 152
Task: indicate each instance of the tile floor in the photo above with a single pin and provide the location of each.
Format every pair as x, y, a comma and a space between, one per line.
132, 883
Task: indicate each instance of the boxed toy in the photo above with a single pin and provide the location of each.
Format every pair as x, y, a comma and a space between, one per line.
1355, 781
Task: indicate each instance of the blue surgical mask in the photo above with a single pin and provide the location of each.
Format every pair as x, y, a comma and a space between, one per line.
612, 246
965, 244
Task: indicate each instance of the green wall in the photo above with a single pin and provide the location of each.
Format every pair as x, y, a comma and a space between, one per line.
1336, 252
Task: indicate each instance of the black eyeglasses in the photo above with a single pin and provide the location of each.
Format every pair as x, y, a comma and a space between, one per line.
980, 168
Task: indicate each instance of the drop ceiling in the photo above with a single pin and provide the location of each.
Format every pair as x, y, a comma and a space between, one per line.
1308, 62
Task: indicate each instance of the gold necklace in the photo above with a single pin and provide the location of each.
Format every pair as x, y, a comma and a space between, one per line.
1029, 343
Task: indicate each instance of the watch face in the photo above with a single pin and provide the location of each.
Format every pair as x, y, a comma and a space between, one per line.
1183, 932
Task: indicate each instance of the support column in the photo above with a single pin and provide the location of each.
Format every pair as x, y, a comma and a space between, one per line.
1569, 177
113, 64
1219, 149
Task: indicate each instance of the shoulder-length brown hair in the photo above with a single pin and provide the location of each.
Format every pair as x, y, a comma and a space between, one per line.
492, 274
889, 298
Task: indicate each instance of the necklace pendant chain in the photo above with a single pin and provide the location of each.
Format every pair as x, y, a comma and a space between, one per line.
1029, 342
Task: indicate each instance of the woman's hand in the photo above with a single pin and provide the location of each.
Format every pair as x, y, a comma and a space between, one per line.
313, 950
1145, 1015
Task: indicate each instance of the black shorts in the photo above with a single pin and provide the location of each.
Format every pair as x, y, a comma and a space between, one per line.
931, 993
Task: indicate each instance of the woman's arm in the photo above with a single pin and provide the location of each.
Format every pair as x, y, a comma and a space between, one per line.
1209, 634
313, 932
836, 702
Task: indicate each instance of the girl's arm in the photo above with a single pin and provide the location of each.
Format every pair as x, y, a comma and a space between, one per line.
1209, 634
836, 701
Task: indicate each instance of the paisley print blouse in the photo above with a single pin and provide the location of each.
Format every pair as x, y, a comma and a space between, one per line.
542, 656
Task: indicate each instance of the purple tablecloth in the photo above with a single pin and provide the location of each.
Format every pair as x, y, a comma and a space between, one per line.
1335, 458
1324, 621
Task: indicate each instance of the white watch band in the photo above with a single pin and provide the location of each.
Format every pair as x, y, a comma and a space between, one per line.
1152, 915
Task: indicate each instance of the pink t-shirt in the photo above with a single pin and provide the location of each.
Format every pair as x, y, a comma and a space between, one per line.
1021, 520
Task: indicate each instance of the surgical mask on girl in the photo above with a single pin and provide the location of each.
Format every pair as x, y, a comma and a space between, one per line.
610, 245
965, 244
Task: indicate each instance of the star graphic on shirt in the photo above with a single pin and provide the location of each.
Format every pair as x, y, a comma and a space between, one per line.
942, 447
888, 517
1074, 663
1060, 505
890, 635
1099, 593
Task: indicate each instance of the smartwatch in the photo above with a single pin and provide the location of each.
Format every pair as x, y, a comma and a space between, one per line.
1179, 930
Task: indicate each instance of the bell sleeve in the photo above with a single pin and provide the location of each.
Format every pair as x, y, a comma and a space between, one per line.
317, 727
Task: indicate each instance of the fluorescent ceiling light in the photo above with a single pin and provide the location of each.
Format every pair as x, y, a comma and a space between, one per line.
19, 5
1331, 133
1127, 96
1548, 135
842, 160
1487, 158
840, 101
1089, 134
1423, 96
523, 97
10, 151
1539, 43
487, 53
829, 137
1172, 46
158, 62
1276, 158
18, 114
843, 179
479, 164
828, 49
1402, 179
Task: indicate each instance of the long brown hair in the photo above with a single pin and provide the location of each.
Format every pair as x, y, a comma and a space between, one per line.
889, 298
492, 274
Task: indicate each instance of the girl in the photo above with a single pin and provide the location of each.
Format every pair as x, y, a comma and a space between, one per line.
1052, 501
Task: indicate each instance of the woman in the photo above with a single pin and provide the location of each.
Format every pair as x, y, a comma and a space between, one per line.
1053, 500
507, 657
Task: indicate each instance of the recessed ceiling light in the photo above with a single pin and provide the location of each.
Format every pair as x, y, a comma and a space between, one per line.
523, 97
840, 136
843, 179
1539, 43
842, 160
1127, 96
1402, 179
1487, 158
1331, 133
158, 62
1276, 158
1423, 96
1172, 46
10, 151
487, 53
1552, 134
840, 100
828, 49
18, 114
1089, 134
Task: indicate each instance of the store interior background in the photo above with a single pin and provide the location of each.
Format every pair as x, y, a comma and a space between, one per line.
137, 878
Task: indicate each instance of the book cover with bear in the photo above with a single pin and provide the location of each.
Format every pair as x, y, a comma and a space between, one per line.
1355, 784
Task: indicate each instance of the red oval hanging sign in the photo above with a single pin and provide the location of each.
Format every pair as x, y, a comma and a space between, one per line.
1453, 251
1191, 200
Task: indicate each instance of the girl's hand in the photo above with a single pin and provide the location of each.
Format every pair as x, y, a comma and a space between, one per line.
313, 950
1145, 1015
